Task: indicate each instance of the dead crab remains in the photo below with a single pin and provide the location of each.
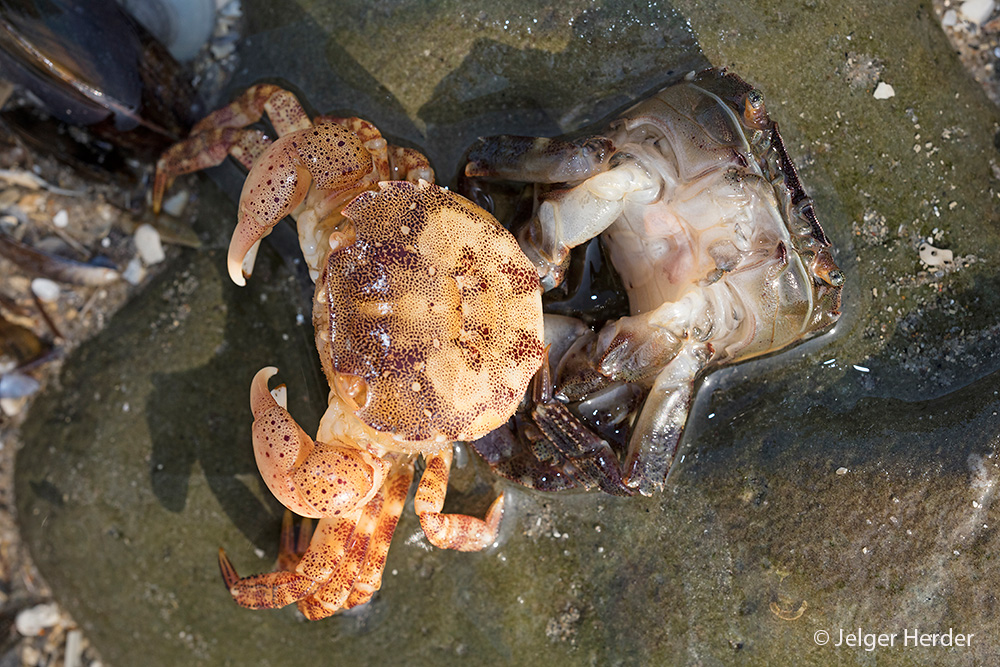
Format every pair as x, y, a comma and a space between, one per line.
428, 324
703, 217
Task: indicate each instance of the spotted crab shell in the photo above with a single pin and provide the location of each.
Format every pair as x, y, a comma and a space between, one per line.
436, 308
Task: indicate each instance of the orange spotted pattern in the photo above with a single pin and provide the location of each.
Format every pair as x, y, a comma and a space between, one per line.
313, 479
417, 308
451, 531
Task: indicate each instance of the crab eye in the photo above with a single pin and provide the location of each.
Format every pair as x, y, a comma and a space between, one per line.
825, 269
831, 275
835, 278
754, 113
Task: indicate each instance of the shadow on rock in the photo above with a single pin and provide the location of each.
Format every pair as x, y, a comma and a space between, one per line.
200, 417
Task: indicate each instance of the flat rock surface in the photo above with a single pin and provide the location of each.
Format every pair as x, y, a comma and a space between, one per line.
846, 486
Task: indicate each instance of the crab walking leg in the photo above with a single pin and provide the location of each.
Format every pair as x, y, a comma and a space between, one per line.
330, 543
312, 479
451, 531
509, 451
221, 133
282, 107
396, 488
566, 218
206, 149
334, 558
589, 453
292, 545
660, 425
537, 159
264, 591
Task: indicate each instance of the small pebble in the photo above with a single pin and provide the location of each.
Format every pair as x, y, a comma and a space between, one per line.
950, 18
9, 197
883, 91
977, 11
147, 242
17, 385
32, 621
61, 219
45, 289
11, 407
134, 272
229, 8
174, 205
220, 51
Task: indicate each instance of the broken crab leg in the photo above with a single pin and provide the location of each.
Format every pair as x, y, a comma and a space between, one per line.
451, 531
312, 479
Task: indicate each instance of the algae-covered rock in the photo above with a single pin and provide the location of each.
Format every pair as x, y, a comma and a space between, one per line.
849, 483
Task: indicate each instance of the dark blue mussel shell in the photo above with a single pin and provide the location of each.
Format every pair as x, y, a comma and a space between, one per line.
92, 64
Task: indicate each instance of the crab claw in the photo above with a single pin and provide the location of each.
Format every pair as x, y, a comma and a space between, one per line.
331, 156
313, 479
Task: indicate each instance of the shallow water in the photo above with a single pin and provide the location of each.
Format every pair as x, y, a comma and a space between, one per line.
814, 495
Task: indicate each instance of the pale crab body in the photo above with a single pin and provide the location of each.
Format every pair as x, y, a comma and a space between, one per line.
428, 323
703, 217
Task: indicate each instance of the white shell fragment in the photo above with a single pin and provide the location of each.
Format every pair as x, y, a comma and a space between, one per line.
147, 242
61, 218
74, 648
174, 205
32, 621
932, 256
977, 11
134, 272
45, 289
883, 91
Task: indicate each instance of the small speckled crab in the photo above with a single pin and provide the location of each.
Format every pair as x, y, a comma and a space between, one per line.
428, 324
701, 212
